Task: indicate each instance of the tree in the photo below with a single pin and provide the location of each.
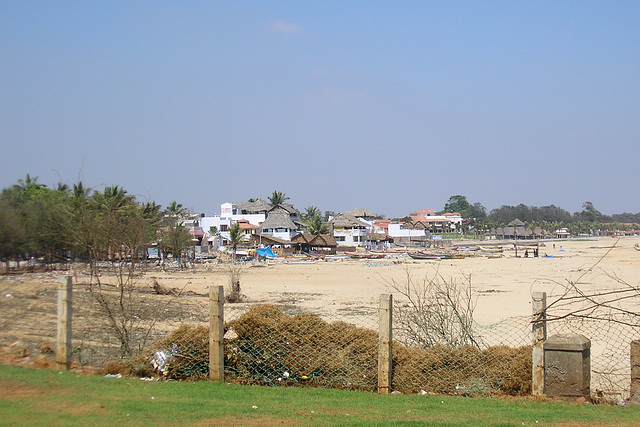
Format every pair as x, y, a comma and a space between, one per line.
457, 203
12, 235
316, 226
277, 198
174, 240
235, 237
235, 270
112, 209
310, 212
589, 212
328, 215
175, 209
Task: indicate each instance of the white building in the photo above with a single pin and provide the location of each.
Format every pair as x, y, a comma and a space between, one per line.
349, 230
255, 212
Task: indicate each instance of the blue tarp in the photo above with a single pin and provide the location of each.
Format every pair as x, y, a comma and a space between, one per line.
266, 253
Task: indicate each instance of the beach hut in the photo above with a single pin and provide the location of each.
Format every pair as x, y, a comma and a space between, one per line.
279, 224
349, 230
323, 244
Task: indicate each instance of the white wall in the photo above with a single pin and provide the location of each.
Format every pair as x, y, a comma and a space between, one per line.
395, 230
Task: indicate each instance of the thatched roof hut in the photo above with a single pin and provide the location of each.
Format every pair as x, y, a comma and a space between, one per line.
347, 220
361, 213
279, 218
379, 237
318, 243
258, 206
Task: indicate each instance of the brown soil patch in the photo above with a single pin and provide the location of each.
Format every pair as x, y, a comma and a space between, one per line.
17, 390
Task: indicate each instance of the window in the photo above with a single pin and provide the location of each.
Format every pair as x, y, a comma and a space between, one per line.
224, 227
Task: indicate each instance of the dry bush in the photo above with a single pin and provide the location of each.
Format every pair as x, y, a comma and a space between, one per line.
185, 353
234, 294
434, 311
274, 348
466, 371
138, 366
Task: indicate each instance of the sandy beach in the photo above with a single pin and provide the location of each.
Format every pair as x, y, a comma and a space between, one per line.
502, 286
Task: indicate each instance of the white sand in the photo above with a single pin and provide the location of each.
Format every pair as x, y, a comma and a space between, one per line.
503, 286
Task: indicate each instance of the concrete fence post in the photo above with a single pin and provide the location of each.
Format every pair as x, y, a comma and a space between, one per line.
635, 372
384, 344
63, 351
539, 335
216, 333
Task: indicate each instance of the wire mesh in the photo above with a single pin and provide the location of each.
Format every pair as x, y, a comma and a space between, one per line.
168, 336
610, 357
499, 363
269, 346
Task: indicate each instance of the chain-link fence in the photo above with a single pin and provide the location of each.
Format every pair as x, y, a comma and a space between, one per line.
167, 334
610, 345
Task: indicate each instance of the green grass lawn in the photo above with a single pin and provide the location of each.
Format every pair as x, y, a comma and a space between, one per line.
43, 397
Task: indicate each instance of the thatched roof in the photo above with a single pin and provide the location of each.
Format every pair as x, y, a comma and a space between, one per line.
287, 207
347, 220
278, 218
516, 223
379, 237
318, 240
361, 213
259, 206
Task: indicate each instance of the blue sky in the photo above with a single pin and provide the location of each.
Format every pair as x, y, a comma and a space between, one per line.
389, 106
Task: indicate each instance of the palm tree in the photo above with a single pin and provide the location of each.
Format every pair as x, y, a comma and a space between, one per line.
112, 199
277, 198
311, 211
175, 209
316, 226
29, 183
63, 188
235, 237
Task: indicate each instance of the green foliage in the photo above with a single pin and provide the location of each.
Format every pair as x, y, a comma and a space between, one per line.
277, 198
310, 212
74, 222
235, 237
457, 203
174, 240
12, 234
316, 225
461, 205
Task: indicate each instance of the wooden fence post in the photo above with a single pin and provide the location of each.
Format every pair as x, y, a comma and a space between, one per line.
216, 333
539, 335
635, 372
63, 352
384, 344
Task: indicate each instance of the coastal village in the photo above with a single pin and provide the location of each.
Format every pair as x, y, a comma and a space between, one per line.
280, 228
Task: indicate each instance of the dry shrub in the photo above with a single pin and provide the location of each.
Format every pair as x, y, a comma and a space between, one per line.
466, 371
184, 353
274, 348
138, 366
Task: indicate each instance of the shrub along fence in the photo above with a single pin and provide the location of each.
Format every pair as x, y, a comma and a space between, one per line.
270, 345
